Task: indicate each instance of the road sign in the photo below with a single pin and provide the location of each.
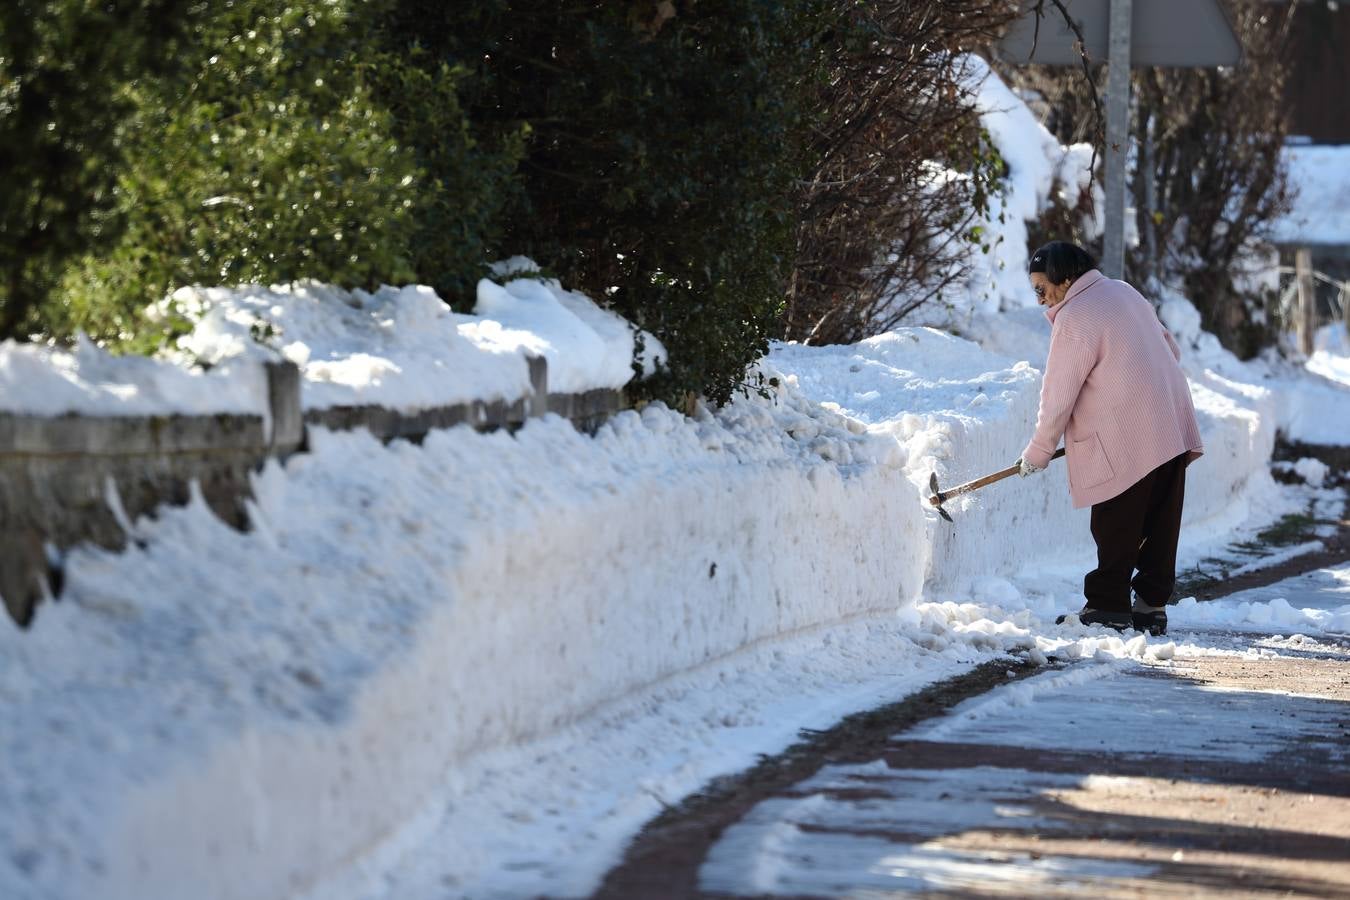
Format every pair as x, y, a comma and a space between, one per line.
1172, 33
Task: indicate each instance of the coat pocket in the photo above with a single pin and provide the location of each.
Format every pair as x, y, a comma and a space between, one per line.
1088, 463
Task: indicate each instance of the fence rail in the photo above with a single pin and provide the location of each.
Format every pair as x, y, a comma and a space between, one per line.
71, 479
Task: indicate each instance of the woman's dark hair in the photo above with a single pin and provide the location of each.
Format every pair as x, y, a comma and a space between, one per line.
1061, 261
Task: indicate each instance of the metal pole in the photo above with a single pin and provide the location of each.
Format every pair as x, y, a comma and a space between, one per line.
1117, 135
1150, 201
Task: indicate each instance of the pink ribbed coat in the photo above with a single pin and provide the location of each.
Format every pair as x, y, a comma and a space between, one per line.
1113, 389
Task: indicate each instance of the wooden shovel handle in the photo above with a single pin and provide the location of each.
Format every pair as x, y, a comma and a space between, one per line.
982, 482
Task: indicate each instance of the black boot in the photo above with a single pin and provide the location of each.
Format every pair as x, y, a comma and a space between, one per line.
1147, 617
1117, 620
1153, 622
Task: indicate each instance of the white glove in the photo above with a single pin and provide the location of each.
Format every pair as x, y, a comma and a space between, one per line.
1025, 468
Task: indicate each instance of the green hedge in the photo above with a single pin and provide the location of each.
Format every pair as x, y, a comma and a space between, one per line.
65, 71
662, 151
264, 159
646, 153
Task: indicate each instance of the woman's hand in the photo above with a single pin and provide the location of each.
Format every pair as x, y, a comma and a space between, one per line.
1025, 468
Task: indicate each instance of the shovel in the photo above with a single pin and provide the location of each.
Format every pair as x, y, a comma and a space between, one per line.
941, 497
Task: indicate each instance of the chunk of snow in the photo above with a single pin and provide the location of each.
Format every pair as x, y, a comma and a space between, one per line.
1313, 471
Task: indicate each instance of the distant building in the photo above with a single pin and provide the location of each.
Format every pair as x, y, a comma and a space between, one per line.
1318, 88
1317, 92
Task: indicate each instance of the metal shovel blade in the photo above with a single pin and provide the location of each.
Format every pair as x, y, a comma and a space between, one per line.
937, 498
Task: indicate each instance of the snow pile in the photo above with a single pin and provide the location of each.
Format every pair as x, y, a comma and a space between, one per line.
1316, 603
312, 681
399, 347
1262, 616
1024, 626
927, 390
1320, 177
1039, 167
962, 410
47, 381
404, 349
1313, 471
1331, 353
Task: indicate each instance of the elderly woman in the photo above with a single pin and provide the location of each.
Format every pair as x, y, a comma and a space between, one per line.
1115, 391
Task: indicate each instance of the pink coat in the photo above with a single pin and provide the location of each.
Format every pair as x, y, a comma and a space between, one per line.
1113, 389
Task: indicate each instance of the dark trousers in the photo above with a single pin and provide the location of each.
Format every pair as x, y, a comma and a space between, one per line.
1138, 530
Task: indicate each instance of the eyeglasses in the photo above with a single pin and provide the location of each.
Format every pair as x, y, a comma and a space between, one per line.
1040, 291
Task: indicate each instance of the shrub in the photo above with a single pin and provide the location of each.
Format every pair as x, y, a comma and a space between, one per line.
665, 141
264, 160
467, 177
66, 70
882, 230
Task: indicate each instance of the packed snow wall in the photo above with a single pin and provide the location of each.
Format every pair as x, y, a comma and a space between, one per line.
966, 408
274, 704
271, 704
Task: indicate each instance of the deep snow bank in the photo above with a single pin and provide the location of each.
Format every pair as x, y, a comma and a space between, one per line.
964, 409
961, 412
398, 611
215, 714
395, 610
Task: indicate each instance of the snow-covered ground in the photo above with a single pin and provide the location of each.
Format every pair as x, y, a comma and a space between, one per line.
478, 664
1320, 213
361, 677
1331, 353
885, 826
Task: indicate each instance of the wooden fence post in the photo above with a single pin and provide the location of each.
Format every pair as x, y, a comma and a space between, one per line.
1306, 317
283, 403
23, 572
538, 403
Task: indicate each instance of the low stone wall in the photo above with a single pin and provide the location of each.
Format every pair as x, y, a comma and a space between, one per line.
71, 479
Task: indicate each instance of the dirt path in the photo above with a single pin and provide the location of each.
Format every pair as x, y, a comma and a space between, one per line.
664, 859
1336, 549
1241, 789
1217, 775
